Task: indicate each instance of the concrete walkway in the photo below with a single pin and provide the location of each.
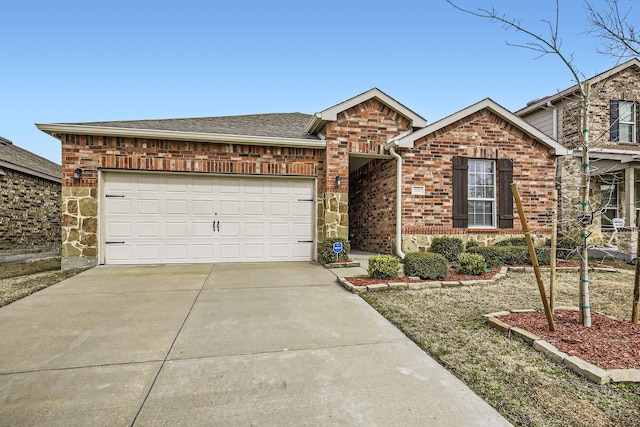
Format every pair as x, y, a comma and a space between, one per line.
218, 345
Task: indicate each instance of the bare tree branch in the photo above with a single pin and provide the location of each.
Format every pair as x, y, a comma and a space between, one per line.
551, 45
621, 38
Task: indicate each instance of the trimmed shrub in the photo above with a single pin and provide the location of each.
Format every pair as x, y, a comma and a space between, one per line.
497, 256
449, 247
326, 253
426, 265
472, 264
472, 244
383, 267
566, 247
513, 241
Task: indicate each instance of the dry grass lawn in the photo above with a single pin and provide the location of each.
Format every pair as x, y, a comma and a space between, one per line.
523, 385
22, 279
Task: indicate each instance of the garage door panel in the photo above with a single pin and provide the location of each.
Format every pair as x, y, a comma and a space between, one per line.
229, 207
229, 251
177, 252
119, 252
176, 207
203, 207
119, 207
148, 252
203, 229
118, 229
148, 229
156, 218
147, 184
254, 229
279, 208
148, 207
254, 207
203, 252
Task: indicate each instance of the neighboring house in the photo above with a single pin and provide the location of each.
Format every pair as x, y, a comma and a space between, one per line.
30, 194
614, 154
272, 186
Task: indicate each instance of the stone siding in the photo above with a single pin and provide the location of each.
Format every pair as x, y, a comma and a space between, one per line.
623, 86
29, 214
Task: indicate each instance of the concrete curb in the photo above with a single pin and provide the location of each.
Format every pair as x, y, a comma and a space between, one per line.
588, 370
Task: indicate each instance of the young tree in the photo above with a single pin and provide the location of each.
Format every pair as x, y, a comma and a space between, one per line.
551, 45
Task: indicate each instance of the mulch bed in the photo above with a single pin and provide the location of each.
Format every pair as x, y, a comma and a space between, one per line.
453, 276
608, 343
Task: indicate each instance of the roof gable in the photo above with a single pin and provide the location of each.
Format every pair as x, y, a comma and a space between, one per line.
408, 141
331, 114
542, 102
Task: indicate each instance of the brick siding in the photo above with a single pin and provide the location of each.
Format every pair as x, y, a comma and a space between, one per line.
29, 214
372, 204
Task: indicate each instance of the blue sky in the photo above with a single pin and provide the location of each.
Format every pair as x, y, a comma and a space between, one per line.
79, 61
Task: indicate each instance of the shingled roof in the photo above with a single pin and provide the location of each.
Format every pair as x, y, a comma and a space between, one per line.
277, 125
19, 159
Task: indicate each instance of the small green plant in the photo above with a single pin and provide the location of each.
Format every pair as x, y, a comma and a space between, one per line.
326, 253
513, 241
449, 247
383, 267
472, 264
426, 265
472, 244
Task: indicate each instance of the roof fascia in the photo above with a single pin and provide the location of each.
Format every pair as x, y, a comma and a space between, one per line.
575, 88
56, 129
331, 113
28, 171
557, 148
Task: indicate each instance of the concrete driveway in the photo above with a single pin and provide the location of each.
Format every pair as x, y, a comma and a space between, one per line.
269, 344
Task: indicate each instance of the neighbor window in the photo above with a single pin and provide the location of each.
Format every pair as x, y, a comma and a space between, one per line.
482, 193
623, 121
609, 206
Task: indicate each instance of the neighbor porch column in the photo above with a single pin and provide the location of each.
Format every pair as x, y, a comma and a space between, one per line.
629, 196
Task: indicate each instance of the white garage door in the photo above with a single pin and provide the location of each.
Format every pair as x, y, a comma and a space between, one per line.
163, 218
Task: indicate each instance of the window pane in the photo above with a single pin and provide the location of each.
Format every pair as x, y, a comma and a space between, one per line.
625, 131
481, 214
626, 111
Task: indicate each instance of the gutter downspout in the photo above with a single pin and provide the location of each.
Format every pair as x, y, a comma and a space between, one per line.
398, 157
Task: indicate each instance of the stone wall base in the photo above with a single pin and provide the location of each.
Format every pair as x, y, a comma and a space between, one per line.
78, 262
34, 256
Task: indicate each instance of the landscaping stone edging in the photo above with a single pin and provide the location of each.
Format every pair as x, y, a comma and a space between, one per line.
588, 370
417, 286
342, 264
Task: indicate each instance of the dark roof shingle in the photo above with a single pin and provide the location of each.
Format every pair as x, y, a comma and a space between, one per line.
12, 155
277, 125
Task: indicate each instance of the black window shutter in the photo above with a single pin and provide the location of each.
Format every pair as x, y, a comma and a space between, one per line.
460, 184
505, 195
614, 121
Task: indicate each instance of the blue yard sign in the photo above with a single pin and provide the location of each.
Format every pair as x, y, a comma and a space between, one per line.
337, 247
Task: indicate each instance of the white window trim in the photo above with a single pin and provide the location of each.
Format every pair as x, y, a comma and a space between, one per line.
632, 123
494, 220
